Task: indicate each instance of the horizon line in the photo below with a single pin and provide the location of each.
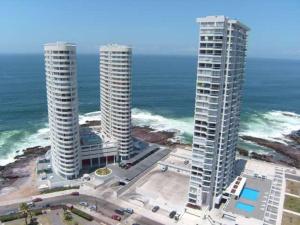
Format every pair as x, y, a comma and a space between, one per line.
156, 54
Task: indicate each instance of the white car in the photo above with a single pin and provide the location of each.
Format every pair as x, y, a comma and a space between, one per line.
128, 210
30, 204
93, 207
84, 204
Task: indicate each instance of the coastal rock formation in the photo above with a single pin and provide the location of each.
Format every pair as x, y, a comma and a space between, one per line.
289, 151
91, 123
150, 135
19, 168
295, 136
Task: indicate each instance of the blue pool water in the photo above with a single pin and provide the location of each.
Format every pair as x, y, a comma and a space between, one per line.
250, 194
244, 207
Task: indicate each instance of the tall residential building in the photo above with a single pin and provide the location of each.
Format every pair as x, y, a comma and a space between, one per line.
115, 93
61, 80
220, 72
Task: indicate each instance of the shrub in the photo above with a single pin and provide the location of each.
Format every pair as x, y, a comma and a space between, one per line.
82, 214
11, 217
58, 189
37, 212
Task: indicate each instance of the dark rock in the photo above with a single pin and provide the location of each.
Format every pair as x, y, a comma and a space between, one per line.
18, 169
289, 151
295, 136
242, 151
150, 135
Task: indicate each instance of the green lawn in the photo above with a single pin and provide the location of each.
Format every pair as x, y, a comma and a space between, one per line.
292, 203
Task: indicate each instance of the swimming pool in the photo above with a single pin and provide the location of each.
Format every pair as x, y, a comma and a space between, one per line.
250, 194
244, 207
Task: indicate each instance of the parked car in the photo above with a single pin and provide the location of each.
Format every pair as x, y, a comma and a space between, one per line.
11, 212
75, 193
84, 204
164, 168
155, 208
122, 165
127, 166
93, 207
30, 204
119, 211
177, 216
129, 210
122, 183
37, 200
116, 217
172, 214
47, 206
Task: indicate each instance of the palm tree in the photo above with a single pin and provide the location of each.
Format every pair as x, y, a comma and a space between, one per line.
24, 209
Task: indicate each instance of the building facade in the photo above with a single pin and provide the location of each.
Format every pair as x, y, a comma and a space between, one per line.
115, 94
94, 152
62, 98
220, 72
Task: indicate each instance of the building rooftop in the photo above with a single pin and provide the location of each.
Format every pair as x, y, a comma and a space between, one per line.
89, 136
145, 163
115, 47
221, 18
60, 43
252, 201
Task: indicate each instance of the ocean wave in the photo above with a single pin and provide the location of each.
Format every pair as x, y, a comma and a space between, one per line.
141, 117
272, 125
161, 123
13, 142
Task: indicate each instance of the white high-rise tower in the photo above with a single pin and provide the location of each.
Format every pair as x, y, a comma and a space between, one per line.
220, 72
61, 80
115, 93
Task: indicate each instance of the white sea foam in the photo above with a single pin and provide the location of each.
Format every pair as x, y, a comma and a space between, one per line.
158, 122
40, 138
272, 125
145, 118
89, 117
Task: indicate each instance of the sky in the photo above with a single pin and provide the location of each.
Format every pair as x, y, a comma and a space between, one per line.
149, 26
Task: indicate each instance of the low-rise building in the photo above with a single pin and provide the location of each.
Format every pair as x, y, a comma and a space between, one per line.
94, 151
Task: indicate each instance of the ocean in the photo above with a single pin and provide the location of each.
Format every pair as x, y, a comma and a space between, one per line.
163, 98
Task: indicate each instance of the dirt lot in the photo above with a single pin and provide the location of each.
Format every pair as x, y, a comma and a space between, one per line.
22, 187
167, 189
293, 187
290, 219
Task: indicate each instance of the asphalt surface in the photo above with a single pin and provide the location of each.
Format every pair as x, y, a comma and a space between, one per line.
105, 208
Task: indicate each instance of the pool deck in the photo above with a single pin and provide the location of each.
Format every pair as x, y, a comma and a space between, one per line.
259, 184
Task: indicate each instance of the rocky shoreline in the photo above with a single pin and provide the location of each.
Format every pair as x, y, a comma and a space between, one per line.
18, 169
291, 150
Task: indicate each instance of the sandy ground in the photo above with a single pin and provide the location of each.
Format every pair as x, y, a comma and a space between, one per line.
166, 189
22, 187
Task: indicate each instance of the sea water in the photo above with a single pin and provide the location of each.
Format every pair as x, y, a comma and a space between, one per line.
163, 98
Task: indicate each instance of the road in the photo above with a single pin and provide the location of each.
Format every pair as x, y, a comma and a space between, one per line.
104, 207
